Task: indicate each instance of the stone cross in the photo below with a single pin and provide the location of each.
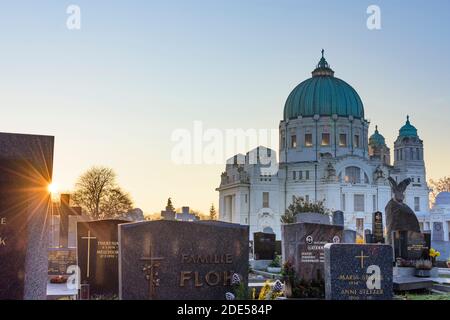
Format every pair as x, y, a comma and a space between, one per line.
151, 275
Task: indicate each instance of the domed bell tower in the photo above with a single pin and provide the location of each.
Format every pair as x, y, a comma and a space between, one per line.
378, 148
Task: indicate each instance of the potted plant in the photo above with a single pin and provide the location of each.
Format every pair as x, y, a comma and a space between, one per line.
423, 268
275, 265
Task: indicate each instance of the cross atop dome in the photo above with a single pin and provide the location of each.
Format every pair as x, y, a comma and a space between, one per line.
323, 68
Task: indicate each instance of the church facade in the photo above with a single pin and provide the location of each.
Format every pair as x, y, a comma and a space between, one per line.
325, 154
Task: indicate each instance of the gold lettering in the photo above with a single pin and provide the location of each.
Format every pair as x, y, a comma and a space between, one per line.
2, 242
184, 258
185, 275
197, 280
227, 278
208, 278
2, 220
229, 258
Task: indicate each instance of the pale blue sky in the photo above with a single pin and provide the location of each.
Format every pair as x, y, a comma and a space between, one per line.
113, 92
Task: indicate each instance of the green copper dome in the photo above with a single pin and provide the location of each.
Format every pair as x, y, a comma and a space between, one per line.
324, 95
408, 130
377, 139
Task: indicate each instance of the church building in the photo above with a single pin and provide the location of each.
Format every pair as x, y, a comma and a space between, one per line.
325, 154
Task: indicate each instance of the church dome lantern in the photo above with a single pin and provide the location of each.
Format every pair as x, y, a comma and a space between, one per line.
408, 130
323, 94
376, 139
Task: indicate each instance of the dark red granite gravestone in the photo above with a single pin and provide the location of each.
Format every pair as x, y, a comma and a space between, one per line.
26, 163
303, 246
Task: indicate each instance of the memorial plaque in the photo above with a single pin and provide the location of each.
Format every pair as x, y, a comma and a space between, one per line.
303, 246
178, 260
26, 163
358, 272
98, 256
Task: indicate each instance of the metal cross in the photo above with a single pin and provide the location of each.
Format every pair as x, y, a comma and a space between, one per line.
88, 238
151, 274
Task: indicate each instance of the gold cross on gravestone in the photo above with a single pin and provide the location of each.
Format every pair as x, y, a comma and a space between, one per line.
88, 263
362, 257
151, 275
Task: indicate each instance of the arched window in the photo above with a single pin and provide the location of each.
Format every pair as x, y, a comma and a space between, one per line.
352, 174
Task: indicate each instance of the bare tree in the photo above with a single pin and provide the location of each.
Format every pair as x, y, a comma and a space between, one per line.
440, 185
97, 192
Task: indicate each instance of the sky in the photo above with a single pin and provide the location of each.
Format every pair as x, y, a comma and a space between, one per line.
114, 92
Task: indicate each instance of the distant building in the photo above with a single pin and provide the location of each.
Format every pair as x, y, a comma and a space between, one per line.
326, 153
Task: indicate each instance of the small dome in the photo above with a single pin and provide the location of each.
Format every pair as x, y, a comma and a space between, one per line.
377, 139
408, 130
324, 95
442, 199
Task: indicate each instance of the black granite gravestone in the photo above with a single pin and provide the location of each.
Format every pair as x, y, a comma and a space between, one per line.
358, 272
377, 227
264, 245
368, 236
303, 245
26, 163
338, 218
177, 260
410, 245
98, 256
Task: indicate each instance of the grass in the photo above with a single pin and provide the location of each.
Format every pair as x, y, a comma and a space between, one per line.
416, 296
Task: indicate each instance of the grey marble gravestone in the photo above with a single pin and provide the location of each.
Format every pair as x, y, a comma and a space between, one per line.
26, 164
98, 256
349, 236
358, 272
312, 217
176, 260
303, 245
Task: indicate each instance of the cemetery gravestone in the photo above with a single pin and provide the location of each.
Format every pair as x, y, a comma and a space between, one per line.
438, 231
26, 163
311, 217
358, 272
368, 236
177, 260
338, 218
349, 236
98, 256
264, 245
303, 246
60, 259
377, 227
410, 245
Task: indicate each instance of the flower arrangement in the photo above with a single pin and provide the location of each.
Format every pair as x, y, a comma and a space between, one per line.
239, 288
240, 292
434, 254
269, 292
